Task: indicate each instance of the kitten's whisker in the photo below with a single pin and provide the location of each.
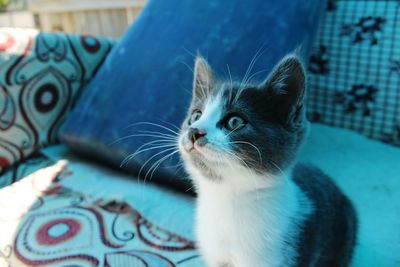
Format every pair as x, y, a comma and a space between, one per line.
171, 124
276, 166
254, 74
152, 124
258, 54
189, 67
143, 135
160, 133
190, 53
134, 135
230, 77
178, 168
237, 157
230, 132
130, 157
190, 188
230, 163
127, 158
250, 144
189, 92
180, 164
158, 163
251, 65
151, 158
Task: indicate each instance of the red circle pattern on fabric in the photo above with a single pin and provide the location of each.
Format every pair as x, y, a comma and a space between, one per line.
43, 236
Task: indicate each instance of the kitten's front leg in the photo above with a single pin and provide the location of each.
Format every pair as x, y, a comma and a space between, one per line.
215, 262
225, 264
241, 262
256, 261
220, 264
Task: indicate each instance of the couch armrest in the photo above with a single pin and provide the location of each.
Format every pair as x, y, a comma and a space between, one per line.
41, 74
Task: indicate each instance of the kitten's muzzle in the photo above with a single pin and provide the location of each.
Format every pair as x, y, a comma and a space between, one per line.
196, 134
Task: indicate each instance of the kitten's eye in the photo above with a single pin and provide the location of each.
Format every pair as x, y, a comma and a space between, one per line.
235, 123
195, 116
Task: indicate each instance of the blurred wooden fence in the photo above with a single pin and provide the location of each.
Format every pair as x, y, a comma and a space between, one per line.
22, 19
97, 17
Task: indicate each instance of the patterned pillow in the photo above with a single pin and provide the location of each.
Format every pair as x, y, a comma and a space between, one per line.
45, 223
355, 69
40, 76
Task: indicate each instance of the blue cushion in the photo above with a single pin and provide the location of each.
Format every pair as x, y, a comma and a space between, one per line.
147, 77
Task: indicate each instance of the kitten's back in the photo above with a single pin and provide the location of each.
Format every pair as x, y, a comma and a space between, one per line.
328, 235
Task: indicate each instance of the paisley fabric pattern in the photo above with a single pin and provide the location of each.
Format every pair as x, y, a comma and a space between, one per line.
40, 76
48, 224
354, 71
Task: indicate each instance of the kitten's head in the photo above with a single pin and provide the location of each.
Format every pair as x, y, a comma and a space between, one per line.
232, 127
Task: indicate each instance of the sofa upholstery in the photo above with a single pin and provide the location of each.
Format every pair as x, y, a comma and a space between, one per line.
50, 224
62, 209
108, 202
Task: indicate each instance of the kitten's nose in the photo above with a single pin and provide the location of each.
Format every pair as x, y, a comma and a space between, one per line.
195, 134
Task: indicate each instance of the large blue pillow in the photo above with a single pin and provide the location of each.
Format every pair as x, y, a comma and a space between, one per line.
148, 77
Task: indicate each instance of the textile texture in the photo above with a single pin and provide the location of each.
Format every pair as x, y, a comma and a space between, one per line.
41, 74
354, 71
88, 188
44, 223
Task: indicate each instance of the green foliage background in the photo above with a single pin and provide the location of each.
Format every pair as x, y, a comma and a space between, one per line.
4, 4
12, 5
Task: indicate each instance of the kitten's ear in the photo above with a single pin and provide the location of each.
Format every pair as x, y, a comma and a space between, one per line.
204, 78
287, 85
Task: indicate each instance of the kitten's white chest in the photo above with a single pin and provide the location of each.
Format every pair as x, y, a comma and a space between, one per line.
241, 230
215, 232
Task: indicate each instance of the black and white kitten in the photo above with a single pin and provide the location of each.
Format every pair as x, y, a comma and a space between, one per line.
254, 207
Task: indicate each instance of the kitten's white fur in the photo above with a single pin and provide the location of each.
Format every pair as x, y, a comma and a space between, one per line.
243, 219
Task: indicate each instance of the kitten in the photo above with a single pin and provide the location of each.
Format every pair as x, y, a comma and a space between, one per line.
254, 206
